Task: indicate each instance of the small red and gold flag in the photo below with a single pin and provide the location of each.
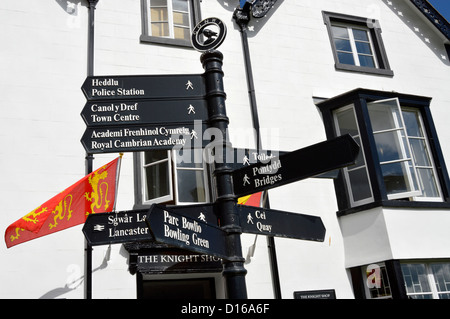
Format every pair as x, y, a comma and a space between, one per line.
94, 193
251, 200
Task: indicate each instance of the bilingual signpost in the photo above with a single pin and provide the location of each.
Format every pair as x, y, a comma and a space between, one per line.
151, 112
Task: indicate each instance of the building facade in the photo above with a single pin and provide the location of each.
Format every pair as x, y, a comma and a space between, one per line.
306, 72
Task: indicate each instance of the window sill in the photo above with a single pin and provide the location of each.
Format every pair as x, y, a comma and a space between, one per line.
165, 41
364, 70
393, 203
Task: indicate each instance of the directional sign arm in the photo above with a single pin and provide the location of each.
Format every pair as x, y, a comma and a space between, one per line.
297, 165
271, 222
183, 232
117, 87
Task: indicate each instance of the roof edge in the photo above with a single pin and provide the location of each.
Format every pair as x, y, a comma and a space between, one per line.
433, 16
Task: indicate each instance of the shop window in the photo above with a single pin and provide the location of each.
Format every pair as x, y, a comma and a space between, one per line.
171, 176
169, 21
357, 44
376, 281
427, 280
400, 162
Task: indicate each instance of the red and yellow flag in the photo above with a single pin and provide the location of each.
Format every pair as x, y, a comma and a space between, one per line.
251, 200
94, 193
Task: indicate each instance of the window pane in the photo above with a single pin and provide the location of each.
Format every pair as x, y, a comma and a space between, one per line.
154, 156
180, 5
181, 33
412, 123
158, 14
416, 280
347, 122
360, 158
342, 45
339, 32
388, 146
345, 58
441, 273
363, 47
395, 177
384, 116
160, 29
420, 152
191, 186
180, 18
359, 184
360, 35
157, 180
427, 182
366, 60
384, 290
192, 158
158, 3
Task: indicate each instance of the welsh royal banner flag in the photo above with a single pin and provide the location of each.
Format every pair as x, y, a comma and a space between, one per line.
94, 193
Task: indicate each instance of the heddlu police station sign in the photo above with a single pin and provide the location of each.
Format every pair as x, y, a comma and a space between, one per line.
123, 87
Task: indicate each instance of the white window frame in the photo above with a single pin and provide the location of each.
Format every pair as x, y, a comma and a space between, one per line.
346, 170
424, 138
350, 28
162, 199
171, 24
174, 191
175, 174
405, 149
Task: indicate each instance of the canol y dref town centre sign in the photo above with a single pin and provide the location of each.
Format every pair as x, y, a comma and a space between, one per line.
151, 112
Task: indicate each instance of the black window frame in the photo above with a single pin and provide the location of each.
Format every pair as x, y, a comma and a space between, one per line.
373, 26
360, 97
195, 16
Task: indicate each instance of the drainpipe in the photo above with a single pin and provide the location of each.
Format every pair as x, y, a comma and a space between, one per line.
242, 18
89, 159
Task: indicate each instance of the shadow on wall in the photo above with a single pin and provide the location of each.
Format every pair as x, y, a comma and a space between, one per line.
409, 15
71, 6
255, 25
74, 283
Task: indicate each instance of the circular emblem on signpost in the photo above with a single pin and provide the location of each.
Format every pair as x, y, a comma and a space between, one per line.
208, 34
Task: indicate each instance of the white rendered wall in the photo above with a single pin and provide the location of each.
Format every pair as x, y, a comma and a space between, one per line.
43, 52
